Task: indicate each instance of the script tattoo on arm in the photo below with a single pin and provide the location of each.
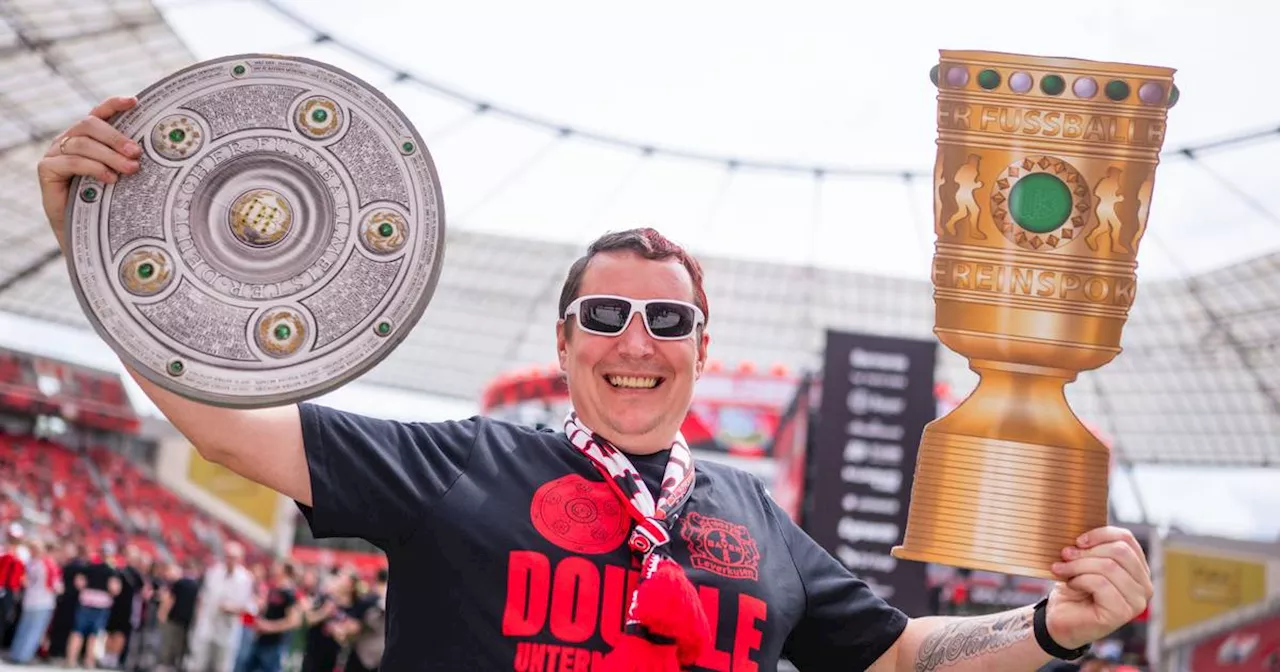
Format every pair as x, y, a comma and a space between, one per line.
969, 638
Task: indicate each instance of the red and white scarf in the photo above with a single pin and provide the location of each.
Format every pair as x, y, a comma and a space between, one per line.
666, 628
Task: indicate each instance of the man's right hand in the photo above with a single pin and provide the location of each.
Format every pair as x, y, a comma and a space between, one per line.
90, 148
263, 445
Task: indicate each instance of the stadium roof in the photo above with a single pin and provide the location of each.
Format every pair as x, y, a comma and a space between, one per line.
1198, 382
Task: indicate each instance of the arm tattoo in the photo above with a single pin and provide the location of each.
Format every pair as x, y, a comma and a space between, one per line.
972, 638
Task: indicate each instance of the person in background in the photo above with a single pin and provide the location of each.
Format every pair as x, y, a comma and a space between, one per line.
12, 571
282, 614
177, 610
371, 639
126, 608
331, 620
43, 584
98, 586
64, 612
226, 593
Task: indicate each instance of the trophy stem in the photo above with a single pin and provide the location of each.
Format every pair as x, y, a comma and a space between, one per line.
1007, 479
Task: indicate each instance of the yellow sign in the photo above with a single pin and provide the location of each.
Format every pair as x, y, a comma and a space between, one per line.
1199, 586
255, 501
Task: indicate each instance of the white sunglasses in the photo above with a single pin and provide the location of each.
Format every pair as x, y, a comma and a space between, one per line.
665, 319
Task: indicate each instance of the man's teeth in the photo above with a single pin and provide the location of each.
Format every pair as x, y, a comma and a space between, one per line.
640, 382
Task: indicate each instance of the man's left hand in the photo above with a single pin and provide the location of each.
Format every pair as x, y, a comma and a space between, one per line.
1104, 583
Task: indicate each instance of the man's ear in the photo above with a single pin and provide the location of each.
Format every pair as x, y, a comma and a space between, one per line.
704, 344
562, 344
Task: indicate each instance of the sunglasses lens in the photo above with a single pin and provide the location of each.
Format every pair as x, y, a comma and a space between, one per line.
670, 320
604, 315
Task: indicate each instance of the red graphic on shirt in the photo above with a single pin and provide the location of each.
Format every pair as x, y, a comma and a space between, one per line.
566, 615
579, 515
720, 546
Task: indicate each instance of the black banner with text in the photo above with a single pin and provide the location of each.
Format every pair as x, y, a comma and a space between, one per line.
877, 397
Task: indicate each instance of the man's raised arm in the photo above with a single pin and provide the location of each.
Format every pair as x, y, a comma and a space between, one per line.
1105, 583
265, 445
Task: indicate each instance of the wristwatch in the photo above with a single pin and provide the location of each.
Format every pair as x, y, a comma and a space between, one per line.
1041, 627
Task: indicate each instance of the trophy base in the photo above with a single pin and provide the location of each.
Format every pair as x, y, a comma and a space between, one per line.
991, 504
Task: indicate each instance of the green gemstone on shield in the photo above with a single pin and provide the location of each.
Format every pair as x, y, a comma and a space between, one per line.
1117, 90
283, 332
177, 135
385, 230
988, 79
319, 116
1040, 202
384, 328
176, 367
146, 270
1053, 84
89, 194
407, 147
239, 70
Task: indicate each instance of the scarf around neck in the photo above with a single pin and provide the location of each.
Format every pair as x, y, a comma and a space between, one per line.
665, 622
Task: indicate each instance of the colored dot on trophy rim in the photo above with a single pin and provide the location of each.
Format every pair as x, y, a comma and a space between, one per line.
1151, 93
957, 76
319, 115
933, 75
282, 332
407, 147
177, 135
1052, 84
145, 270
176, 367
1040, 202
1173, 95
238, 70
1020, 82
384, 328
988, 79
1117, 90
385, 229
1085, 87
89, 194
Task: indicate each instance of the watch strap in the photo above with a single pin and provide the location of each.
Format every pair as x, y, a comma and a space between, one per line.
1041, 627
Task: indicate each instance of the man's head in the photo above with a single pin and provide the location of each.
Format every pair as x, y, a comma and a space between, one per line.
632, 387
234, 554
283, 573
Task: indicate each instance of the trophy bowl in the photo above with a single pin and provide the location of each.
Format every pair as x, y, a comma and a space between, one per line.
1042, 184
284, 234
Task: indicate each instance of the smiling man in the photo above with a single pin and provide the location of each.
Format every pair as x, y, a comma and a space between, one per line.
605, 546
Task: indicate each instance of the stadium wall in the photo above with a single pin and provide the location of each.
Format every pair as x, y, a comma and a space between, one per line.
260, 514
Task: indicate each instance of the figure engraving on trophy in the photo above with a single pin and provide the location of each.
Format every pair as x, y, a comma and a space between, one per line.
967, 183
1108, 225
1144, 206
939, 180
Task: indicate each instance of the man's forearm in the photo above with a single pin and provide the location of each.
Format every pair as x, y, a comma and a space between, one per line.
1003, 641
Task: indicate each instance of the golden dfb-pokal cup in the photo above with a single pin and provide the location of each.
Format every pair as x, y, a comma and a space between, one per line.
1042, 184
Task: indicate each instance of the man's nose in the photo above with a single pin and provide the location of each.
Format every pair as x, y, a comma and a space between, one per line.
634, 340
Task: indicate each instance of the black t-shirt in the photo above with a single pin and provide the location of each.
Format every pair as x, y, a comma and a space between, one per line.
183, 608
507, 550
279, 601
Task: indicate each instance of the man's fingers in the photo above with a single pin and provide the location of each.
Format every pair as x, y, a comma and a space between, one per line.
83, 145
1089, 574
1110, 533
105, 133
70, 165
1124, 555
112, 106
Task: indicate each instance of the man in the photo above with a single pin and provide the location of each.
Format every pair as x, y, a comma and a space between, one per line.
225, 594
281, 615
514, 548
177, 610
98, 586
370, 638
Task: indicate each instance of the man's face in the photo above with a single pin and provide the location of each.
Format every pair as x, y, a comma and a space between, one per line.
603, 370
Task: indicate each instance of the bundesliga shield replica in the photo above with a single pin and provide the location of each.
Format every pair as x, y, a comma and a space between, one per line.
1043, 180
284, 233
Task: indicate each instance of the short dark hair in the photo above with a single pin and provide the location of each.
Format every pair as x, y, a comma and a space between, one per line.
646, 242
